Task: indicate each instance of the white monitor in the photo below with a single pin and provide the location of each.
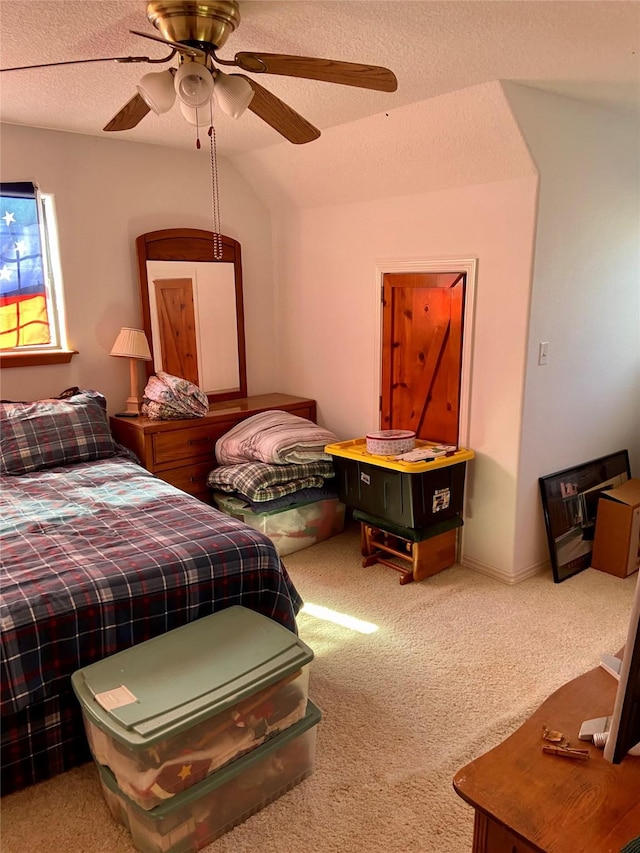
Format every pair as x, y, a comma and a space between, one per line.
619, 733
624, 730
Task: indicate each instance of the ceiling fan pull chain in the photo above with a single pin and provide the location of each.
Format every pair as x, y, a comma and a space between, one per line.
215, 197
198, 146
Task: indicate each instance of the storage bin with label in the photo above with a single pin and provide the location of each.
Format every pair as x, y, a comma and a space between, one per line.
168, 712
290, 529
198, 816
411, 494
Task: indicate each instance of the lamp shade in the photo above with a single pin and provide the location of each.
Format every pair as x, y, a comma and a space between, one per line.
193, 83
233, 93
157, 91
197, 116
132, 343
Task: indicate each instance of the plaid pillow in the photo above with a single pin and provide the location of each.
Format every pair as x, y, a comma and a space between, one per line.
54, 432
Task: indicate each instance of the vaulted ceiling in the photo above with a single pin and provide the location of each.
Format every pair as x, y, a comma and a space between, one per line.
587, 50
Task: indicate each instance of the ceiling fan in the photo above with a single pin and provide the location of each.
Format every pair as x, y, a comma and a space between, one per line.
195, 30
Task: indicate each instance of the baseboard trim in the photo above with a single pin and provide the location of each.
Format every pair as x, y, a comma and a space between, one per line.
503, 576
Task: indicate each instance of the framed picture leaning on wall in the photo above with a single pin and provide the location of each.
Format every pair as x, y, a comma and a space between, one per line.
570, 502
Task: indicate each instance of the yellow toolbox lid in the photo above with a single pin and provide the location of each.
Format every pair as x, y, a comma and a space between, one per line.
356, 448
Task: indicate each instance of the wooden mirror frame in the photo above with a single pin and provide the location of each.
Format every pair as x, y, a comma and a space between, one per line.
194, 245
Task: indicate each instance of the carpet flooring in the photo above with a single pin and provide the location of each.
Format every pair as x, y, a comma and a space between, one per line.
453, 665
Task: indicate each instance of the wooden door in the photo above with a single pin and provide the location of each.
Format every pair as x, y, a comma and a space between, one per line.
177, 327
422, 330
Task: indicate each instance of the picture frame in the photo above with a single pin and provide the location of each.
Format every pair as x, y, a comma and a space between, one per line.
570, 502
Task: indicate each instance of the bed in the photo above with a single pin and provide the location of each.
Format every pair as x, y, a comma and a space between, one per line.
96, 555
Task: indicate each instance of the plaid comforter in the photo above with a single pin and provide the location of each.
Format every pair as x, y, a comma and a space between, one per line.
98, 556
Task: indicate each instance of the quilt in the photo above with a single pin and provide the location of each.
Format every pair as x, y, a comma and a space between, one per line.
274, 437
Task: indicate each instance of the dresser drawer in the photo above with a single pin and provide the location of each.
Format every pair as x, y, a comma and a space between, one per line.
191, 479
194, 443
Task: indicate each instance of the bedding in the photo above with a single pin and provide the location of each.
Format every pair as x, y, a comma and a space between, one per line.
54, 432
298, 498
96, 556
274, 437
167, 397
260, 481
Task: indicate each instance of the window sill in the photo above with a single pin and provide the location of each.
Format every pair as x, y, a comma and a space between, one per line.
36, 359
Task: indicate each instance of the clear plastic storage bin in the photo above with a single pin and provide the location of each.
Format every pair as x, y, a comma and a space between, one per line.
290, 529
165, 714
198, 816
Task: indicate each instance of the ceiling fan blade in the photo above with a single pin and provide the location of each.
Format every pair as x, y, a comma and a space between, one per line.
123, 59
130, 115
329, 70
176, 45
279, 115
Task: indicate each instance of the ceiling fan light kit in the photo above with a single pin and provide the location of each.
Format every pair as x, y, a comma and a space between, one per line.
232, 94
194, 84
199, 117
158, 91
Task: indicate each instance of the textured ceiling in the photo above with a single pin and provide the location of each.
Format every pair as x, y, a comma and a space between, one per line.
587, 50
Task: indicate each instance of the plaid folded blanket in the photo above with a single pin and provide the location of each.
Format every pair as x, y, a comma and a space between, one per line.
260, 481
299, 498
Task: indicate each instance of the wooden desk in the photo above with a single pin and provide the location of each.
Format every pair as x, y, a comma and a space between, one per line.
527, 801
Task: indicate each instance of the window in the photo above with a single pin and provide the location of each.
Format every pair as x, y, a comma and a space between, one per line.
32, 328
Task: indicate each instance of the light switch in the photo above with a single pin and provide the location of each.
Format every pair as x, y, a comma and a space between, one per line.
543, 352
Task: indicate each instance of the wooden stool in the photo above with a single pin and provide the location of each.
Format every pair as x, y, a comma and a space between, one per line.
424, 552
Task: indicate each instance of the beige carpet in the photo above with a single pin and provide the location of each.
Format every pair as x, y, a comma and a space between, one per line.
457, 663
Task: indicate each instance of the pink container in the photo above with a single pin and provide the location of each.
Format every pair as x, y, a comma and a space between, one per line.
390, 442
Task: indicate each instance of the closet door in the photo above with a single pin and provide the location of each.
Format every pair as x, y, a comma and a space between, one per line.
422, 333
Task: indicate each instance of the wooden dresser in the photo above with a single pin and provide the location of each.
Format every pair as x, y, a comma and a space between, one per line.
182, 451
526, 801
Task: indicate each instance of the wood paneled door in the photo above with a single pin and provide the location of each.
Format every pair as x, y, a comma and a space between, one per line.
177, 327
422, 337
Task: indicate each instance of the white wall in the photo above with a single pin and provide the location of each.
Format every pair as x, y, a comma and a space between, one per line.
328, 281
107, 192
585, 402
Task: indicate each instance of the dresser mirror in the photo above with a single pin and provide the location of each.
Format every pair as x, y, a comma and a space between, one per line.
192, 309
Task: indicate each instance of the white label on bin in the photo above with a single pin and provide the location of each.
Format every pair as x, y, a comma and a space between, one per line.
366, 479
441, 499
116, 698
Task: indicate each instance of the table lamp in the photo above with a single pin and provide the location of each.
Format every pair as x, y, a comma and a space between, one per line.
132, 344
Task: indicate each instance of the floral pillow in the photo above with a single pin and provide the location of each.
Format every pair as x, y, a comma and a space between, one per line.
48, 433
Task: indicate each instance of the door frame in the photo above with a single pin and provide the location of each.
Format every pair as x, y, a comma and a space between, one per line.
434, 265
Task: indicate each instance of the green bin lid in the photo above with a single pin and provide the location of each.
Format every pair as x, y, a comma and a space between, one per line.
165, 685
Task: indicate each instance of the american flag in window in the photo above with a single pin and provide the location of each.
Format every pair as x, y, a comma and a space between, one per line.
24, 319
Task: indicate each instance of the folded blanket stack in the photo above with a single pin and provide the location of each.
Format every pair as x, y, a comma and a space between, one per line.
274, 460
